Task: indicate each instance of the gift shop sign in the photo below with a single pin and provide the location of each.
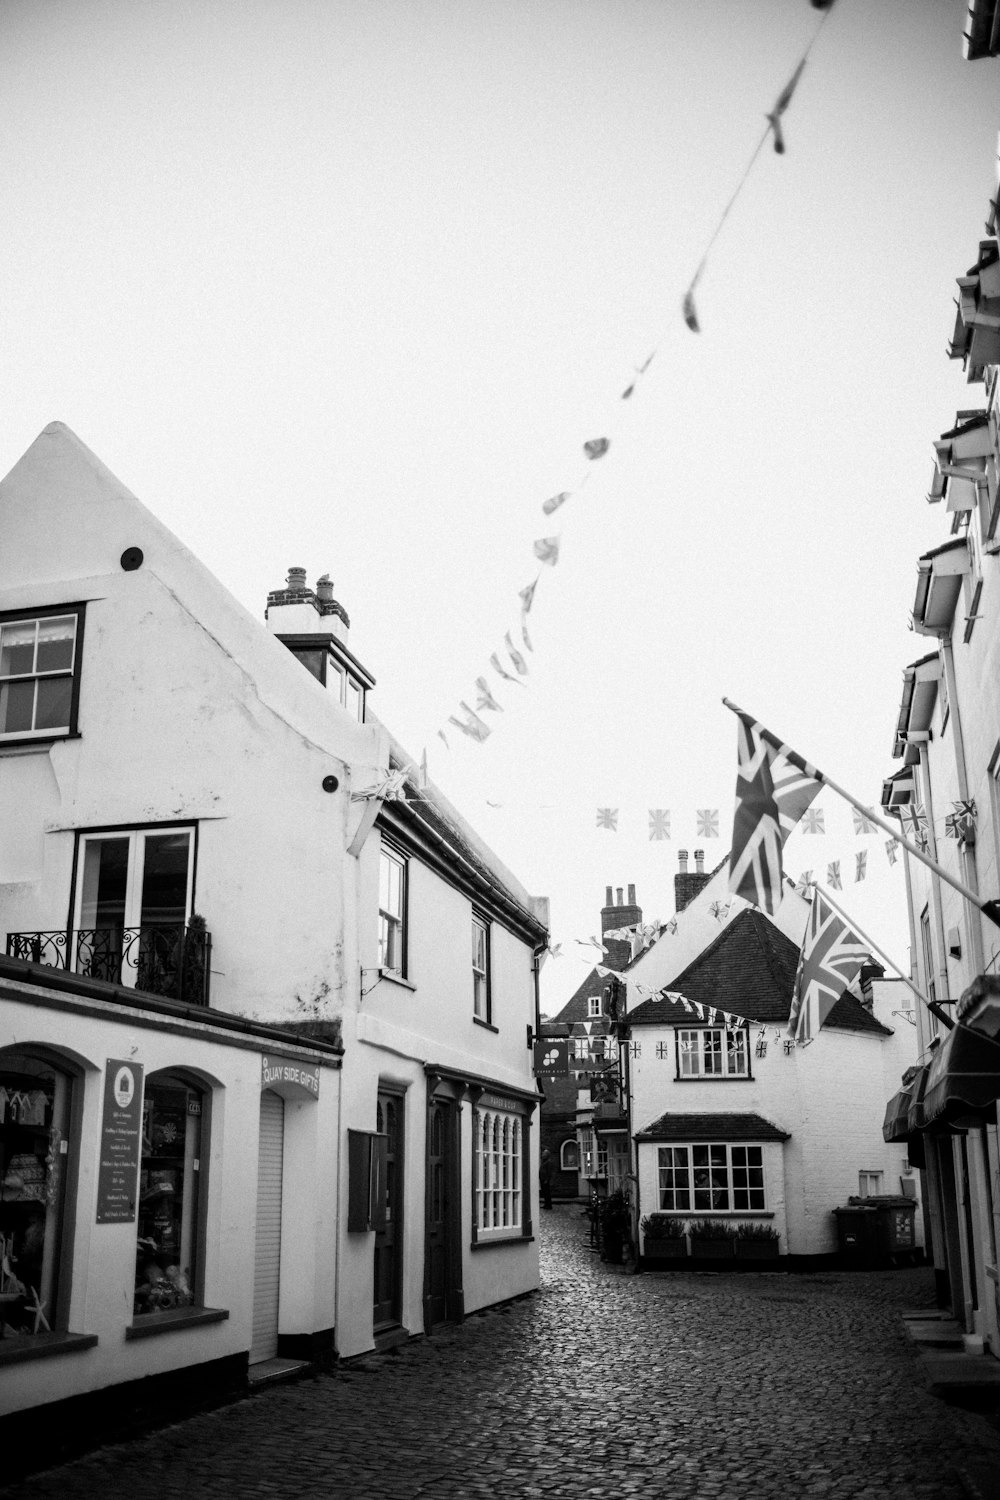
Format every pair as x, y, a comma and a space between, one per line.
121, 1141
290, 1079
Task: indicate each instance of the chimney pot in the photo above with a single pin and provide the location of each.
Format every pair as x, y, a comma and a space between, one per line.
296, 578
682, 860
631, 895
324, 589
620, 893
699, 861
607, 895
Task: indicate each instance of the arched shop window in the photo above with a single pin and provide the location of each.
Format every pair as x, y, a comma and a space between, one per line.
35, 1099
170, 1195
569, 1156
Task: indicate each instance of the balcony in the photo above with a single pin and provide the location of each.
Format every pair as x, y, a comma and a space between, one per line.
171, 960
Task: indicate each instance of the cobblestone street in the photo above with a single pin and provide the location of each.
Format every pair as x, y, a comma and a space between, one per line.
604, 1384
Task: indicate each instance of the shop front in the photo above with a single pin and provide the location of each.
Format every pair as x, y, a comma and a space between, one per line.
130, 1202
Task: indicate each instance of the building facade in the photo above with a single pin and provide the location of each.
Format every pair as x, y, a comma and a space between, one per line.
265, 1088
946, 793
738, 1122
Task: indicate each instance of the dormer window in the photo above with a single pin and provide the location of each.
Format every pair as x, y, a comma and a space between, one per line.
330, 662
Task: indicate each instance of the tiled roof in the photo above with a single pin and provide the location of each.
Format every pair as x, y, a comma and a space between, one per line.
575, 1008
749, 969
712, 1127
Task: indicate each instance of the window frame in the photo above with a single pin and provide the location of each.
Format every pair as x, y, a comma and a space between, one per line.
57, 1256
595, 1007
501, 1179
682, 1161
194, 1229
572, 1145
482, 989
691, 1046
871, 1181
389, 853
53, 611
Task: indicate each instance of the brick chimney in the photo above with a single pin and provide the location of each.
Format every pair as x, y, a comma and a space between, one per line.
687, 883
618, 913
297, 609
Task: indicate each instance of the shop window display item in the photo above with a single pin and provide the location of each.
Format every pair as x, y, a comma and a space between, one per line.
34, 1113
168, 1196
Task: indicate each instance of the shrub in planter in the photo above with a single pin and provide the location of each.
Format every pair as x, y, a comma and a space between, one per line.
713, 1238
615, 1225
663, 1237
756, 1242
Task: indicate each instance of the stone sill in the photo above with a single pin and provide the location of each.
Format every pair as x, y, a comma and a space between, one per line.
44, 1346
521, 1239
149, 1324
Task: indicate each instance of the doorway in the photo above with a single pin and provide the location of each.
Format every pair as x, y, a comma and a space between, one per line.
442, 1260
387, 1297
267, 1255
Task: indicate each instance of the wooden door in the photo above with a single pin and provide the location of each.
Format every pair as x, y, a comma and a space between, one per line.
386, 1311
442, 1264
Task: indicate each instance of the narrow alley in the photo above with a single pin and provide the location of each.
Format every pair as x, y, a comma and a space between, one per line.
601, 1384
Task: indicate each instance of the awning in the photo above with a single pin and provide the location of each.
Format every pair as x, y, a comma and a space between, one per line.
963, 1077
895, 1126
939, 582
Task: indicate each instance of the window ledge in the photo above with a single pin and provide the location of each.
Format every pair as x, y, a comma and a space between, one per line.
391, 977
486, 1025
714, 1213
148, 1324
35, 742
14, 1351
519, 1239
714, 1078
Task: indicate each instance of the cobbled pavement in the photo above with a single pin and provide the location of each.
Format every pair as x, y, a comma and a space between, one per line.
603, 1384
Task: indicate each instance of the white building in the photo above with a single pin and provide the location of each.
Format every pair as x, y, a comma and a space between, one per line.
947, 792
740, 1123
265, 1087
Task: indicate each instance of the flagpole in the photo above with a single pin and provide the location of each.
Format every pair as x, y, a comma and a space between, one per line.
932, 1005
989, 909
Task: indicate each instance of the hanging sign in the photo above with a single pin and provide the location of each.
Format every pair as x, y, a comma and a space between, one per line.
552, 1058
121, 1137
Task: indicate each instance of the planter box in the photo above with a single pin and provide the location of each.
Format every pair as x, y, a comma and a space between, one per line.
665, 1250
756, 1249
712, 1249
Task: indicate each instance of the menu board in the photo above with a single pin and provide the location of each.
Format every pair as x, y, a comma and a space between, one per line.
121, 1140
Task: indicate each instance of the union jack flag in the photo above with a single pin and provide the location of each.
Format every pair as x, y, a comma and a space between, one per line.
833, 876
813, 821
707, 820
659, 823
774, 786
863, 824
804, 882
607, 817
861, 865
891, 846
914, 820
830, 960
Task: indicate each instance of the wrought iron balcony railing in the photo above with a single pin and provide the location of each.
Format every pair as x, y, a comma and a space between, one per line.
171, 960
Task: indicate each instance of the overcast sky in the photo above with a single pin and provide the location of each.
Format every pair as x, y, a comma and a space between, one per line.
346, 284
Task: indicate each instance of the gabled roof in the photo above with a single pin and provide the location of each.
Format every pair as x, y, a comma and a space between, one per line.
750, 970
576, 1007
712, 1127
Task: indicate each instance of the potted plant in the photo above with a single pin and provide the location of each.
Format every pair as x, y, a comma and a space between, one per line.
713, 1239
663, 1237
756, 1241
615, 1225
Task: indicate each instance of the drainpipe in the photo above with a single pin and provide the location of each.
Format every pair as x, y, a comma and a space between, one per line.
973, 921
942, 952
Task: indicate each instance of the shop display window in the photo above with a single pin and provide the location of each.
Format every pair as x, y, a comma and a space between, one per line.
34, 1124
169, 1195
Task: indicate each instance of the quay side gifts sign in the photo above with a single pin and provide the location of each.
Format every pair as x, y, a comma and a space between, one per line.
293, 1080
121, 1140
